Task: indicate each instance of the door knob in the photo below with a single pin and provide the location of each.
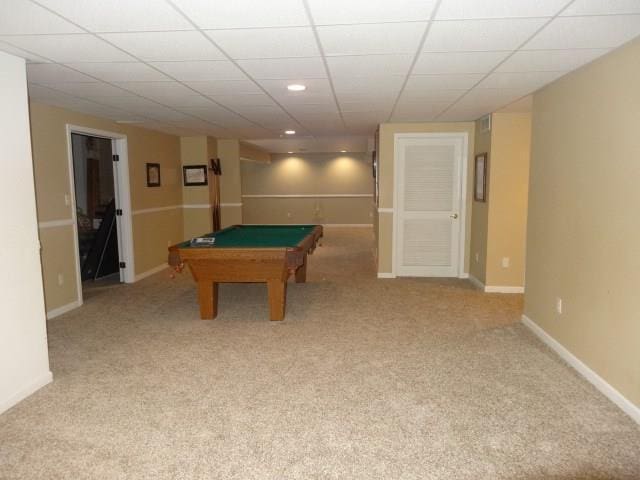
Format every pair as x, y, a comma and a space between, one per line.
453, 215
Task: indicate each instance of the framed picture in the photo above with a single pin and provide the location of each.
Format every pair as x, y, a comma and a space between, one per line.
195, 175
153, 174
480, 179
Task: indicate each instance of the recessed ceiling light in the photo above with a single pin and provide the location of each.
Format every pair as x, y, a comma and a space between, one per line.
289, 152
343, 151
290, 132
296, 87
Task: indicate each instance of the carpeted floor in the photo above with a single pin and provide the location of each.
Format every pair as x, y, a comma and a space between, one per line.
365, 379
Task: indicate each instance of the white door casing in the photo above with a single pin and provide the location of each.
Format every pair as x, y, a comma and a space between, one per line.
430, 195
122, 196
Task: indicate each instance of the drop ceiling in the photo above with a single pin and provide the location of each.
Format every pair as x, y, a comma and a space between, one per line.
221, 68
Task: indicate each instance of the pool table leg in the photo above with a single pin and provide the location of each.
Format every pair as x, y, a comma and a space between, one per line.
301, 272
208, 298
277, 298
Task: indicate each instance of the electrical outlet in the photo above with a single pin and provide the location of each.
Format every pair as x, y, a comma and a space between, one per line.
477, 257
67, 199
506, 261
168, 243
60, 279
559, 305
288, 214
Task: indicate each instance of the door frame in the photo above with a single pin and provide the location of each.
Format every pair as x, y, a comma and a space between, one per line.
464, 136
123, 200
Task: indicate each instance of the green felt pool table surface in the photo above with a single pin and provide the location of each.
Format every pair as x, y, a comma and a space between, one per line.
257, 236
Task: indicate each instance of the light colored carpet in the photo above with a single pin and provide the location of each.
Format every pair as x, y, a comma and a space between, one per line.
365, 379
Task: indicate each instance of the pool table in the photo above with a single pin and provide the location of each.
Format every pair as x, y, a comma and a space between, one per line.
248, 253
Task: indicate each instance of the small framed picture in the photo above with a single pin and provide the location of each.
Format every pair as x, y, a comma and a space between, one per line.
153, 174
480, 183
195, 175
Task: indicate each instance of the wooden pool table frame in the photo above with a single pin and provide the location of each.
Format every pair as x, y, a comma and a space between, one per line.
212, 265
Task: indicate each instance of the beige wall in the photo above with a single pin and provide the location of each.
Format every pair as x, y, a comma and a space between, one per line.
498, 226
251, 152
385, 171
197, 215
306, 175
508, 192
583, 241
480, 211
48, 129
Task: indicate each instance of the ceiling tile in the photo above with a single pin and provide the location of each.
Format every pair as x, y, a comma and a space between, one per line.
372, 117
332, 12
217, 115
422, 83
130, 102
166, 46
244, 13
422, 112
156, 90
416, 97
42, 93
528, 80
458, 62
300, 111
201, 71
266, 42
165, 114
18, 52
120, 15
364, 65
317, 88
21, 17
69, 48
120, 71
480, 35
285, 68
379, 38
224, 87
602, 7
384, 85
184, 100
253, 132
235, 100
90, 90
52, 73
586, 32
466, 9
366, 97
374, 105
549, 60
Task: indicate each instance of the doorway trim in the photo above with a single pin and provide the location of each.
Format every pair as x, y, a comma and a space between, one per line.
464, 136
118, 147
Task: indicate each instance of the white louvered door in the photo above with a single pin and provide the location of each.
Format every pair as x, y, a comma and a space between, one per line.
428, 183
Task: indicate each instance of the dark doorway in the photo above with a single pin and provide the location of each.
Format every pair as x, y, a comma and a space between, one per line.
95, 208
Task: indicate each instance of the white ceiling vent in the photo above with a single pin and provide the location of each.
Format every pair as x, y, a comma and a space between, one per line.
485, 123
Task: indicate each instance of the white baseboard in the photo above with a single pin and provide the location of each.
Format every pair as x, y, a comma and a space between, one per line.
56, 312
386, 275
476, 283
357, 225
494, 288
25, 391
463, 275
148, 273
500, 289
596, 380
